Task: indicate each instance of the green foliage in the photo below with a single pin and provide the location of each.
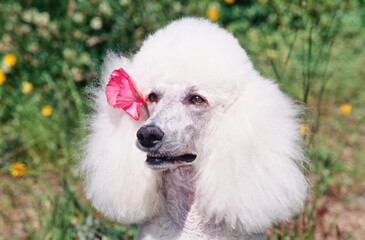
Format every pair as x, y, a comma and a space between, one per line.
313, 49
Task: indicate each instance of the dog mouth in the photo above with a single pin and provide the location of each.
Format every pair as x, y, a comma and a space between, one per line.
164, 162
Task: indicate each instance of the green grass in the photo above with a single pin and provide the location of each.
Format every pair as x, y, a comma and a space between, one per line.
315, 51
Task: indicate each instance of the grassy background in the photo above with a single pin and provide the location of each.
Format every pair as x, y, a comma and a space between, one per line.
314, 49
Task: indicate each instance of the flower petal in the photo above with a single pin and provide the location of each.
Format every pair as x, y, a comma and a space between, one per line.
121, 93
134, 110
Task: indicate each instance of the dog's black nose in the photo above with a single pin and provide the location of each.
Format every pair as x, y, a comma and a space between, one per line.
149, 136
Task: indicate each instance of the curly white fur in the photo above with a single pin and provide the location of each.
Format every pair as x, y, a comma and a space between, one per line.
246, 175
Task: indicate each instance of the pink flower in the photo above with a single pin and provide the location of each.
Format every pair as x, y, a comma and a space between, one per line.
121, 92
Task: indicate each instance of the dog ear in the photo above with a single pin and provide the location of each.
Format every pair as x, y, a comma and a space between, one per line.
250, 176
116, 180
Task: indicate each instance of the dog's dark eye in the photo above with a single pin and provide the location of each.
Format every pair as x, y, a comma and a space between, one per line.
196, 100
153, 97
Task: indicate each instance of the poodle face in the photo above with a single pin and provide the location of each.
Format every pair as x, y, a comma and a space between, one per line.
172, 135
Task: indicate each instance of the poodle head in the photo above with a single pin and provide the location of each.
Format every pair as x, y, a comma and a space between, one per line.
188, 73
205, 106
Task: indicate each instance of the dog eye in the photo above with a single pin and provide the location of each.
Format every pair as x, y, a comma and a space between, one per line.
196, 100
153, 97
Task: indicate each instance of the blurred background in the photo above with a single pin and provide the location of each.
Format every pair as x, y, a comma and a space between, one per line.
51, 51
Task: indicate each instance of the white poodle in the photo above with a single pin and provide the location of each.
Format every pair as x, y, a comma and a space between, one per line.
216, 152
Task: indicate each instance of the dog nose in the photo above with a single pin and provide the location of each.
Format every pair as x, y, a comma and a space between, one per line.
149, 136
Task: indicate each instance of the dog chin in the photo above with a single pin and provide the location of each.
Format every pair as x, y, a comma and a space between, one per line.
162, 163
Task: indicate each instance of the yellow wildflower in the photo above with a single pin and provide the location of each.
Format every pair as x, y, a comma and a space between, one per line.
229, 1
212, 12
2, 77
101, 214
346, 109
76, 218
26, 87
47, 110
18, 169
9, 60
304, 128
